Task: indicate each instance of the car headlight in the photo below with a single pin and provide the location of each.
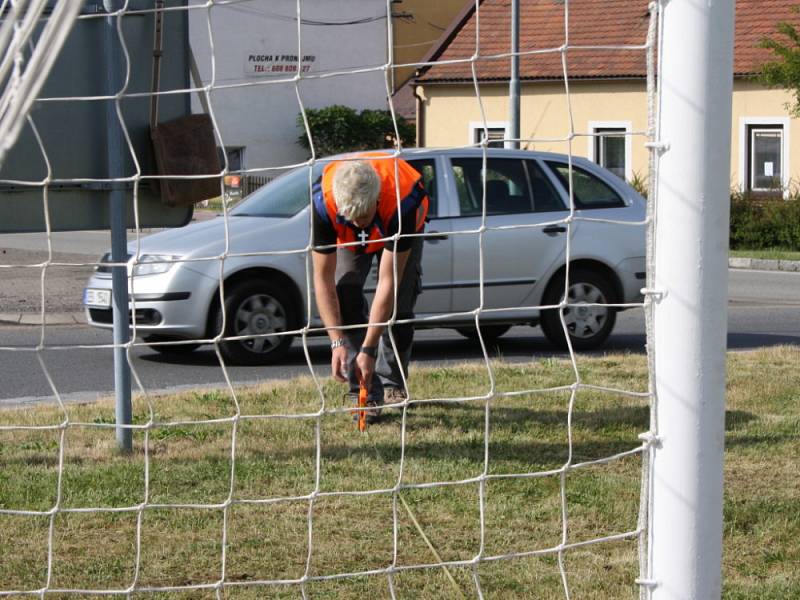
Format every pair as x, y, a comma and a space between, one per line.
153, 264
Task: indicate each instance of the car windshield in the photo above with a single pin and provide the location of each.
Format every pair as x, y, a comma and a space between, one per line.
284, 197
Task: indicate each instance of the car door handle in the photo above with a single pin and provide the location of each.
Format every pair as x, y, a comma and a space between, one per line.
554, 229
435, 238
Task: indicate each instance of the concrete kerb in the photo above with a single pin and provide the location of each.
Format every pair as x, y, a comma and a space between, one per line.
763, 264
62, 318
79, 318
53, 318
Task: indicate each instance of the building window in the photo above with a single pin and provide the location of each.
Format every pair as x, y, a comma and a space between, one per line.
496, 130
764, 155
496, 136
764, 158
235, 156
609, 149
609, 145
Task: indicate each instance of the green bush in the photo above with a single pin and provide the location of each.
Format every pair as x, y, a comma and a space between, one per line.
338, 128
758, 224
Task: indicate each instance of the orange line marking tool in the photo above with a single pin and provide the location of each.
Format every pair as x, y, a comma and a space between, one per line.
362, 403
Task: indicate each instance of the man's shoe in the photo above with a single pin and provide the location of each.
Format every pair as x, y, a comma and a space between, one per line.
393, 395
373, 415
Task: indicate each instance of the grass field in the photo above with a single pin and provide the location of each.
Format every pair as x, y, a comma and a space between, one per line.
274, 472
767, 254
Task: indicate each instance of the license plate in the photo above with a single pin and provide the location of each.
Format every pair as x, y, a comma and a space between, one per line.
101, 298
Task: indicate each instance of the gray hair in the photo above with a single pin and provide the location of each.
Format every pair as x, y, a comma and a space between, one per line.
356, 187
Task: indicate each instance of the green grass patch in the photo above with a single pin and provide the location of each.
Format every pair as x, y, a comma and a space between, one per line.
216, 205
201, 481
772, 254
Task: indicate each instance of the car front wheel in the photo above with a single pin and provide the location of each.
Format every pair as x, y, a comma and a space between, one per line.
256, 311
588, 325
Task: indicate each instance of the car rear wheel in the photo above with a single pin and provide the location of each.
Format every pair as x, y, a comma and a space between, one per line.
256, 311
153, 342
490, 333
589, 326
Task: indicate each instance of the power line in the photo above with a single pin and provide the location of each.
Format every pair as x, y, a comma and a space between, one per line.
311, 22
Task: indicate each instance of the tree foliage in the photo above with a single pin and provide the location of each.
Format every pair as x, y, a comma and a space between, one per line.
784, 70
338, 128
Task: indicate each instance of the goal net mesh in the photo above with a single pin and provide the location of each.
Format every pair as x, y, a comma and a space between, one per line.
486, 483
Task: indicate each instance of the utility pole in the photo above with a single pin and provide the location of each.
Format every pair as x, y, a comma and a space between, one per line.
513, 86
119, 244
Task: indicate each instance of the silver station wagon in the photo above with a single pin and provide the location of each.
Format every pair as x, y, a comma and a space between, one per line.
176, 279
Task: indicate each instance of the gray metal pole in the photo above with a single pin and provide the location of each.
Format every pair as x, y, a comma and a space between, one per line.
119, 243
513, 86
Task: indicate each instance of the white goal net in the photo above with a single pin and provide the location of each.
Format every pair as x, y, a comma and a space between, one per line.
490, 478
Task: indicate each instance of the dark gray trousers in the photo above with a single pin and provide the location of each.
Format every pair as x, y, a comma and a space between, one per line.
351, 276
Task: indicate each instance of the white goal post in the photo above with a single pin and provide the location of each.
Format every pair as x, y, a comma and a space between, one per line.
690, 289
679, 531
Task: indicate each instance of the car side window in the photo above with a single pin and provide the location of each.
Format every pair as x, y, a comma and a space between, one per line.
427, 168
507, 187
589, 191
545, 195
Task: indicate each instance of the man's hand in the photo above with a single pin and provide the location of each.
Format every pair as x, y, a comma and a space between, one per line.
339, 363
365, 369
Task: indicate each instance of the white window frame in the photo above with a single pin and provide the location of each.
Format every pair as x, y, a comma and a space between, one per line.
746, 123
478, 126
592, 128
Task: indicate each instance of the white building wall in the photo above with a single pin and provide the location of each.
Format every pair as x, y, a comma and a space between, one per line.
254, 102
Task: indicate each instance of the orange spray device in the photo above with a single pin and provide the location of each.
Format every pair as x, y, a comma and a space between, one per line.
362, 403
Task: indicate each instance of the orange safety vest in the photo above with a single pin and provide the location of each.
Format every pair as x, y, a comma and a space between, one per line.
412, 197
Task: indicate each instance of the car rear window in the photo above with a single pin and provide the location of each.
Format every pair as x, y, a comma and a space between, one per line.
588, 190
512, 186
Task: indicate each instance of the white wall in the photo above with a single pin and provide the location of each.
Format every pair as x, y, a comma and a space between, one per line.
262, 116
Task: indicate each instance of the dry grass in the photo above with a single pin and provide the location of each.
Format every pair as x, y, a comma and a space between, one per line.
189, 463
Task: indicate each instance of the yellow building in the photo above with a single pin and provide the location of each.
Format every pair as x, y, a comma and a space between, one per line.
604, 115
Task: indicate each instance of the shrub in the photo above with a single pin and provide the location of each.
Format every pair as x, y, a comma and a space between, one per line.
758, 224
338, 128
640, 183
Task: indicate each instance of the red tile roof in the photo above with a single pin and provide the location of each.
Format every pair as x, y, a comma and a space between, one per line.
591, 23
755, 20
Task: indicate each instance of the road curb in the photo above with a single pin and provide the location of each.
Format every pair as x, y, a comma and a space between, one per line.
763, 264
50, 318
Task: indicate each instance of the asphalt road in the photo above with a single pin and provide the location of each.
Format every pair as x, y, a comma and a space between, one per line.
764, 310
